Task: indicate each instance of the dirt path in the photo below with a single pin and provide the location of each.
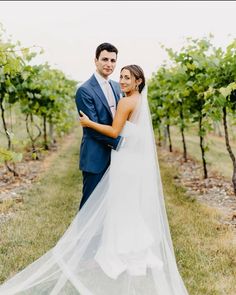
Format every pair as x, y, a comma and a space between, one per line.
215, 191
11, 187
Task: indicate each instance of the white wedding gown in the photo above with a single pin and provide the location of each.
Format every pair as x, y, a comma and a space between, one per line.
119, 243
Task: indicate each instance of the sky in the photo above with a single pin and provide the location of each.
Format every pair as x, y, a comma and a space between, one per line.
70, 31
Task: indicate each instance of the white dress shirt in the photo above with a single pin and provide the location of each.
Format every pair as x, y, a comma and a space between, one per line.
104, 84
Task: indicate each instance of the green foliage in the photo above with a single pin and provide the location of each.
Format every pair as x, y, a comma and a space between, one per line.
9, 156
201, 80
41, 91
48, 93
197, 86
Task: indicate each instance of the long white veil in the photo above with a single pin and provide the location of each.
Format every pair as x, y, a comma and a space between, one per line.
71, 267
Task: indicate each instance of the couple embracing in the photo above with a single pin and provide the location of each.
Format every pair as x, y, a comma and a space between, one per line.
119, 242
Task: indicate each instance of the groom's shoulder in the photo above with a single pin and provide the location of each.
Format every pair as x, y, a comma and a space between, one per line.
87, 83
85, 86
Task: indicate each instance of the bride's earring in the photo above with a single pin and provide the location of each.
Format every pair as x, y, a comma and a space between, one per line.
136, 87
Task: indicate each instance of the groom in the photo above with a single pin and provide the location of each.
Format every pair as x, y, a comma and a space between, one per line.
98, 98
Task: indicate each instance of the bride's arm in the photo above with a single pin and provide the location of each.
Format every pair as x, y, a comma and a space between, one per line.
123, 110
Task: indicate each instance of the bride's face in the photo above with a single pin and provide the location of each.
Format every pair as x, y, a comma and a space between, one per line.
127, 81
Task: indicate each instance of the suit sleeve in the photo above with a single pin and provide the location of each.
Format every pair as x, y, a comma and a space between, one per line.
84, 102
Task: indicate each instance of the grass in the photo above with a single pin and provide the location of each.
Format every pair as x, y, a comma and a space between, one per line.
216, 155
48, 208
204, 249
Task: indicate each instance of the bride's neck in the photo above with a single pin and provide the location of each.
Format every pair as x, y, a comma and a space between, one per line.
131, 93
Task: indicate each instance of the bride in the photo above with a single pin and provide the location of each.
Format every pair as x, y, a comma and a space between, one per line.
119, 243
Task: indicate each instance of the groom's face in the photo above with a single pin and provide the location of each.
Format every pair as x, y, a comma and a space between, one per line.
106, 63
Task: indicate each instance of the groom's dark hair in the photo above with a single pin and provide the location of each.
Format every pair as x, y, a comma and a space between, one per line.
105, 46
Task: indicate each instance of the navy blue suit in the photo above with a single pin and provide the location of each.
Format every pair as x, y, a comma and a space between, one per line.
95, 149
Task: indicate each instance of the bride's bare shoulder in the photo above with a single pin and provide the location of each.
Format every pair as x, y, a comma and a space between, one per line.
128, 101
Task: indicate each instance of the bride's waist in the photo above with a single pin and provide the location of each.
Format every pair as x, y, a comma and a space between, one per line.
128, 147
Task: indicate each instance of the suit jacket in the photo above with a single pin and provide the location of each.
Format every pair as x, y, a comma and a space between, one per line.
95, 149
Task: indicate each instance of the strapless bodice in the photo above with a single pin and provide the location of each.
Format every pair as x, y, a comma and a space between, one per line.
128, 129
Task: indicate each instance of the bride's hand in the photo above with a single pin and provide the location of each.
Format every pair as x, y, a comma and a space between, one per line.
84, 119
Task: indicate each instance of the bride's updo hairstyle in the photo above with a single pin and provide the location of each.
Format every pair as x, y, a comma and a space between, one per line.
137, 72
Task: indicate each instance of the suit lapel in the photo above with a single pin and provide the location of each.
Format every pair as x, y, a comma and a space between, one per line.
115, 92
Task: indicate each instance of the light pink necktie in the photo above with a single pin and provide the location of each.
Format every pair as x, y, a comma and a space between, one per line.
110, 99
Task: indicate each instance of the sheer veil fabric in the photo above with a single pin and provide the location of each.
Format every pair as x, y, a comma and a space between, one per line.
119, 243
